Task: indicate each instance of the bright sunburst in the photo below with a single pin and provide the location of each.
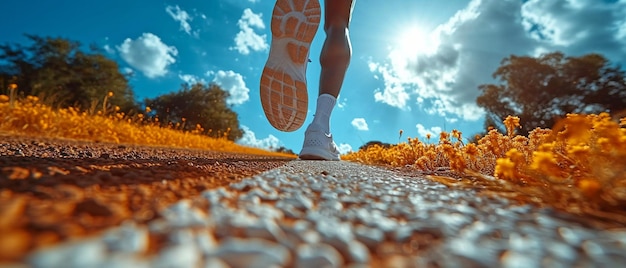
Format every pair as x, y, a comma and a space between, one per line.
415, 40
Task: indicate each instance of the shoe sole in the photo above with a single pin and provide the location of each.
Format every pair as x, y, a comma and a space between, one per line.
316, 154
283, 87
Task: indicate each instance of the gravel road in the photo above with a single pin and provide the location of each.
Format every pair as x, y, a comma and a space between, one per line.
326, 214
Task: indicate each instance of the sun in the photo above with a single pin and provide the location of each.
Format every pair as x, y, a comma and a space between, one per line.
415, 40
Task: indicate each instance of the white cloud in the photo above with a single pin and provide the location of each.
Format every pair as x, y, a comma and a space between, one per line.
360, 124
423, 132
234, 84
247, 40
452, 120
182, 17
127, 70
148, 54
250, 139
109, 49
395, 93
472, 43
344, 148
341, 103
191, 79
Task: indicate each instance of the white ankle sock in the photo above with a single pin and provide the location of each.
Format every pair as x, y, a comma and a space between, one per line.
325, 105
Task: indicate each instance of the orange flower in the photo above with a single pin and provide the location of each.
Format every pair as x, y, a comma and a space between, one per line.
605, 144
443, 136
456, 134
578, 151
471, 149
505, 169
546, 163
577, 129
589, 187
511, 122
516, 156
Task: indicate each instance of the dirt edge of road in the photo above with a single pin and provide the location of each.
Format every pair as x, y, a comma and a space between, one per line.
54, 190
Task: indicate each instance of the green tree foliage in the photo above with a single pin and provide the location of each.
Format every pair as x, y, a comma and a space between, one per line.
198, 104
285, 150
373, 143
541, 90
63, 75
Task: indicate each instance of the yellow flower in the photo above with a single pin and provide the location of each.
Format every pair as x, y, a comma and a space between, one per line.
589, 187
422, 163
471, 149
578, 151
505, 169
456, 134
604, 144
577, 129
511, 122
443, 136
545, 162
546, 147
516, 156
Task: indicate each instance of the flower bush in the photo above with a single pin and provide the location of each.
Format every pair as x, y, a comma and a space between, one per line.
579, 165
30, 117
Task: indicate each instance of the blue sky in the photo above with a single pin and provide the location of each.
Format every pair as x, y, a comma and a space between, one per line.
416, 64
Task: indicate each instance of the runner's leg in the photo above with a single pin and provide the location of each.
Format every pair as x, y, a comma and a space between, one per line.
334, 59
337, 50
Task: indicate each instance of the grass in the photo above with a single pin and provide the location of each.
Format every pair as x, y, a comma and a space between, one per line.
29, 116
578, 166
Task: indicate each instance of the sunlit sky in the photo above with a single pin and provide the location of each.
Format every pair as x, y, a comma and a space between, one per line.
416, 64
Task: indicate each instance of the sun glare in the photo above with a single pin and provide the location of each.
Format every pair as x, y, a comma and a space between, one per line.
415, 40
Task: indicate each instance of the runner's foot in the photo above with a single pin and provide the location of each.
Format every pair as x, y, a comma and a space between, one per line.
283, 83
318, 145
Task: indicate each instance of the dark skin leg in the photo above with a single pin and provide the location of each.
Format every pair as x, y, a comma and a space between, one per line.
337, 50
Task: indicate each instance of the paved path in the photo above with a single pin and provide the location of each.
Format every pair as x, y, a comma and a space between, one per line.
315, 214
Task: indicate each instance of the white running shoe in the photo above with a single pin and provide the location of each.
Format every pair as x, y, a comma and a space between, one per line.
318, 145
283, 89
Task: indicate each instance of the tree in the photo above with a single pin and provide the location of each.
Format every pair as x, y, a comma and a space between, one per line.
199, 104
285, 150
374, 143
63, 75
540, 90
